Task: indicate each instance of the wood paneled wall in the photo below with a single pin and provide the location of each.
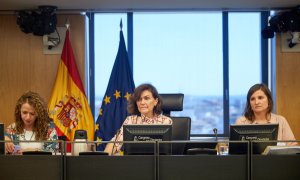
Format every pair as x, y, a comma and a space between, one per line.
288, 86
24, 67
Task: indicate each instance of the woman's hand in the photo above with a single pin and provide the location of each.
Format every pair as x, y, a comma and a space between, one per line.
9, 146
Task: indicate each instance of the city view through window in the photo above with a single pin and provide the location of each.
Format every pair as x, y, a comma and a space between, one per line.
183, 53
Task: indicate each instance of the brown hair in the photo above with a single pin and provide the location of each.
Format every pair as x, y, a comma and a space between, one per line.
248, 112
42, 120
132, 106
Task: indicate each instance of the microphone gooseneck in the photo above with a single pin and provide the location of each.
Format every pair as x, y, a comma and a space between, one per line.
216, 133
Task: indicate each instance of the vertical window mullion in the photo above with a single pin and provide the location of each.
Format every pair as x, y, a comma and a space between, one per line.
91, 72
264, 48
225, 73
130, 38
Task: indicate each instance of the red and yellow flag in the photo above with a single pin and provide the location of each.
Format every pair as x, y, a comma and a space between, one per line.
68, 105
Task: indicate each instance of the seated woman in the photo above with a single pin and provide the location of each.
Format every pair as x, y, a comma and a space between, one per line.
32, 123
258, 110
145, 108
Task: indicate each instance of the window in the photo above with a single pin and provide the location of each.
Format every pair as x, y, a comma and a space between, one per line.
183, 53
244, 59
107, 28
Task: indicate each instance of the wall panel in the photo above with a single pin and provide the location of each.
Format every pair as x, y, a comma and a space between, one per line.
288, 86
24, 67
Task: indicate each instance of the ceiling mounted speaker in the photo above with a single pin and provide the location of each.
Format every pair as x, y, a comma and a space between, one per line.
40, 22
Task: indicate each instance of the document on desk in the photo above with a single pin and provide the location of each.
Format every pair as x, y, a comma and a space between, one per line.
281, 150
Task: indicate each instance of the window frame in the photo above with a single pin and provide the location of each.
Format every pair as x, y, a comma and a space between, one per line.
90, 73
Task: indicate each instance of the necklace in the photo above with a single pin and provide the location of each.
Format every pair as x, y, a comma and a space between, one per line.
24, 135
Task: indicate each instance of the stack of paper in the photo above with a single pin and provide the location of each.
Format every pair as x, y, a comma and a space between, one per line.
275, 150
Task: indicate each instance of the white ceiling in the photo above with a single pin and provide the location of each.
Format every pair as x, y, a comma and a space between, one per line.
149, 5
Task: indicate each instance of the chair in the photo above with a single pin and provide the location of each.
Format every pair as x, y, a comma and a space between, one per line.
181, 125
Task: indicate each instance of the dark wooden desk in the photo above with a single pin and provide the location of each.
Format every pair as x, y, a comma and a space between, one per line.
275, 167
111, 167
178, 167
31, 167
208, 167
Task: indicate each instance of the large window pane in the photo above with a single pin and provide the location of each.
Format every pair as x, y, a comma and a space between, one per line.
182, 53
107, 30
244, 59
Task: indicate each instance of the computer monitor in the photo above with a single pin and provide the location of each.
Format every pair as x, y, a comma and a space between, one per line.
252, 132
151, 133
1, 138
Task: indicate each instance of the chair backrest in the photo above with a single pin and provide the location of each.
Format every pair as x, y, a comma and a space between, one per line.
180, 131
181, 125
181, 128
171, 102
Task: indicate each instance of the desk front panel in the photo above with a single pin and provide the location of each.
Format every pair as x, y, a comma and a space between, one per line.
110, 167
31, 167
276, 167
208, 167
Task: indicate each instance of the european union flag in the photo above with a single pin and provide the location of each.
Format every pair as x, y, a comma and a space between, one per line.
114, 105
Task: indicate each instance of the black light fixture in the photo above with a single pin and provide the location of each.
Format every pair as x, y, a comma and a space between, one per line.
40, 22
285, 21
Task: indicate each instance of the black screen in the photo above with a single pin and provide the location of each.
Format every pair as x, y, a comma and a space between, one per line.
1, 138
151, 133
253, 132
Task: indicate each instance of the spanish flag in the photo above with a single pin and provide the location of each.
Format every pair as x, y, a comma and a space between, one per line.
68, 105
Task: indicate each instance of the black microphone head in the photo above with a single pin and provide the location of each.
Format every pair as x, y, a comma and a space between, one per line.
215, 130
216, 133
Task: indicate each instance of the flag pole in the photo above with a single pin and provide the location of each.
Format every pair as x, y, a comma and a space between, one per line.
67, 24
121, 24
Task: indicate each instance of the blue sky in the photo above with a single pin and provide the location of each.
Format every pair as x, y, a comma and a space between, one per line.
182, 52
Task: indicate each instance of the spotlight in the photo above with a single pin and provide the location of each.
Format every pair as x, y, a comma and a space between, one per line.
285, 21
25, 21
40, 22
45, 21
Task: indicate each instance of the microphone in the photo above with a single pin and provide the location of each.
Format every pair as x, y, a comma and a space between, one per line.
117, 135
216, 133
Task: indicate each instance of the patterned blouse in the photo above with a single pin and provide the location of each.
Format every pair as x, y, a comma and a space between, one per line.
134, 119
30, 136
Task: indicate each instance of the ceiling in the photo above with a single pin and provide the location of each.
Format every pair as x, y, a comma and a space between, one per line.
149, 5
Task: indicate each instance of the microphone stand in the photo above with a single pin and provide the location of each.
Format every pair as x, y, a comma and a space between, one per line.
216, 133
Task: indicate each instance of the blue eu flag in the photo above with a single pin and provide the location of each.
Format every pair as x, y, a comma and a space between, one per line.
114, 105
